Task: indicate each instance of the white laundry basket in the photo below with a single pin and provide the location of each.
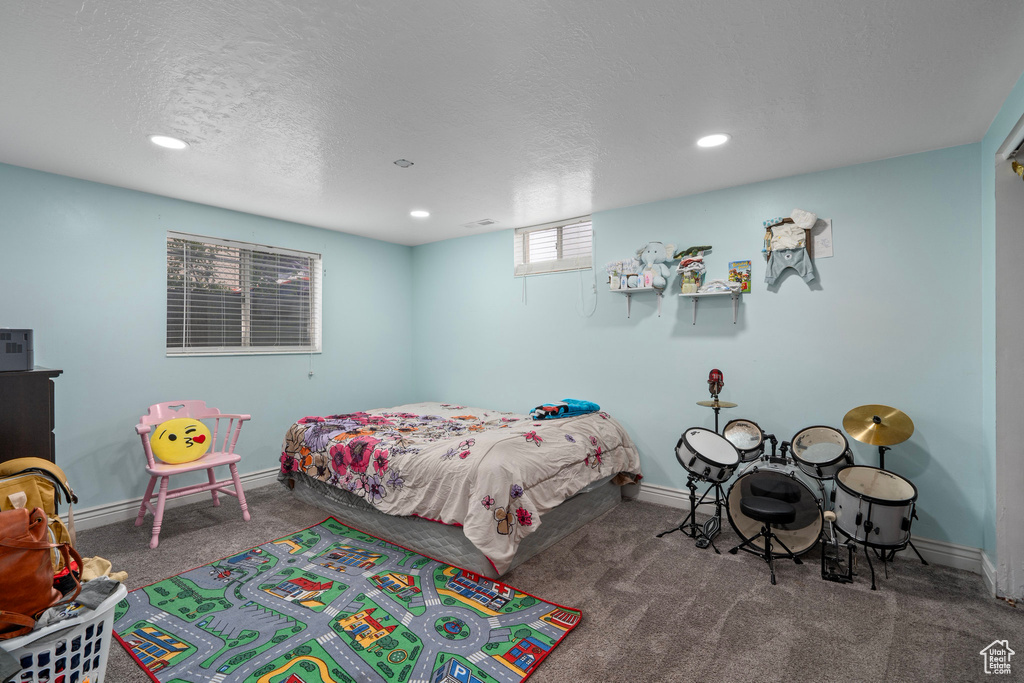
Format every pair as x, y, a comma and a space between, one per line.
70, 651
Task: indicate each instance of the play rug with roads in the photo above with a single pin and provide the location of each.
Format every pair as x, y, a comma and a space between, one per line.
330, 604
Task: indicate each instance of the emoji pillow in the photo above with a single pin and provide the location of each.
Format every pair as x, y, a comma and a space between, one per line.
180, 440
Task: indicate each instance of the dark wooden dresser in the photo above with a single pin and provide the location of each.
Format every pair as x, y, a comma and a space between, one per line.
26, 414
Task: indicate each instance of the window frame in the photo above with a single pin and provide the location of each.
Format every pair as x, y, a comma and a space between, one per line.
246, 251
522, 267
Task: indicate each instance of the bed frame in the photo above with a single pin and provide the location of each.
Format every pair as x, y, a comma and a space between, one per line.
448, 543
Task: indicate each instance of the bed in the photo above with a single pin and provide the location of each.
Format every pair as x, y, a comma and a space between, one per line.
477, 488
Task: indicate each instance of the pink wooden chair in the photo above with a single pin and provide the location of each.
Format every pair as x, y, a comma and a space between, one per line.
224, 455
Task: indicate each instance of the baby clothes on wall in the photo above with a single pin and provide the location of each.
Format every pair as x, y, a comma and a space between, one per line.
787, 247
787, 236
797, 259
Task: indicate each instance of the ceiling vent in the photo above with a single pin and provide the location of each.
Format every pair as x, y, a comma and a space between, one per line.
480, 224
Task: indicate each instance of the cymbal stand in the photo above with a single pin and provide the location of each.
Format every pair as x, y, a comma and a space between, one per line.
706, 533
881, 456
717, 408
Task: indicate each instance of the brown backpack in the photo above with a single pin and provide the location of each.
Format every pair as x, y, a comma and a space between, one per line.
26, 570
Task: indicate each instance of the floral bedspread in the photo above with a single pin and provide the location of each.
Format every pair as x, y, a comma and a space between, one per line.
494, 473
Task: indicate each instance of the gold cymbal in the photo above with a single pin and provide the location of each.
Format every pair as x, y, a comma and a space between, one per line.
720, 404
878, 425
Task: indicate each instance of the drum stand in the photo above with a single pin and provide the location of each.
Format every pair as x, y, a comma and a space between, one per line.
706, 533
887, 556
892, 553
886, 559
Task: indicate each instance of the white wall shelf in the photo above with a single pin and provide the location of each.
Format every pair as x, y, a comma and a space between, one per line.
695, 296
630, 291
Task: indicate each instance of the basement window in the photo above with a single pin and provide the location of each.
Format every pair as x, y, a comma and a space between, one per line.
226, 297
553, 247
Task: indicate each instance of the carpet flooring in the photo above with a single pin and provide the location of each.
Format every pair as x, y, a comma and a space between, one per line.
659, 609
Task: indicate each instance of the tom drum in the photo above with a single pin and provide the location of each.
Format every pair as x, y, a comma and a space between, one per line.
747, 437
707, 455
821, 451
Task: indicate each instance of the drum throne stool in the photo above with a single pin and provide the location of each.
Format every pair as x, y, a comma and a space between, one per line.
769, 509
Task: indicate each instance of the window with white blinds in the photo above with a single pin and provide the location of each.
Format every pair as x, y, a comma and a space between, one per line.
553, 247
227, 297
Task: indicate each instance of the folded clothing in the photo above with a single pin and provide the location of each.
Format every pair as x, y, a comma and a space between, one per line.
568, 407
92, 596
720, 286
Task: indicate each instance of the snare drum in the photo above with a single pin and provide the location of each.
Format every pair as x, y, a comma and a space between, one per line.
786, 483
821, 451
707, 455
873, 506
747, 437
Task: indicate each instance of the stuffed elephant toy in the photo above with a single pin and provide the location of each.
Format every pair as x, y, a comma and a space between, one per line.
653, 257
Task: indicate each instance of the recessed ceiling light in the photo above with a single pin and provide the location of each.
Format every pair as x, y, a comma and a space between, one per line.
713, 140
403, 163
419, 213
168, 142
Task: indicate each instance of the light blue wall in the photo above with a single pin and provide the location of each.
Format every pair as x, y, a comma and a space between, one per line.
1005, 120
83, 264
895, 318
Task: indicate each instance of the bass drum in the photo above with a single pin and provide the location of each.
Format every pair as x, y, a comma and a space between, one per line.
747, 437
786, 483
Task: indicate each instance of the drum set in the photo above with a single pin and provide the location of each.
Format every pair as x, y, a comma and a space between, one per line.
786, 501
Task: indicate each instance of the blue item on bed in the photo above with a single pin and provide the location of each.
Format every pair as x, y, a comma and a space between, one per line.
568, 407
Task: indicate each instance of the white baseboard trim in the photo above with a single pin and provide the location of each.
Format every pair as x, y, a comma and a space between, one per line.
949, 554
937, 552
989, 574
100, 515
673, 498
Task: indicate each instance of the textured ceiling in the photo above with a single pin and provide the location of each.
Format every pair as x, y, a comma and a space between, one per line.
521, 112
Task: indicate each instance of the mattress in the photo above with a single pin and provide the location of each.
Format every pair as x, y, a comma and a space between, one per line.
448, 543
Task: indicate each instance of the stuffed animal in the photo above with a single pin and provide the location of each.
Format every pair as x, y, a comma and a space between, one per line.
653, 257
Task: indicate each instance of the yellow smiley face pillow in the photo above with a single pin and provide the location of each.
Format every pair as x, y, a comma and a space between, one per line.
180, 440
